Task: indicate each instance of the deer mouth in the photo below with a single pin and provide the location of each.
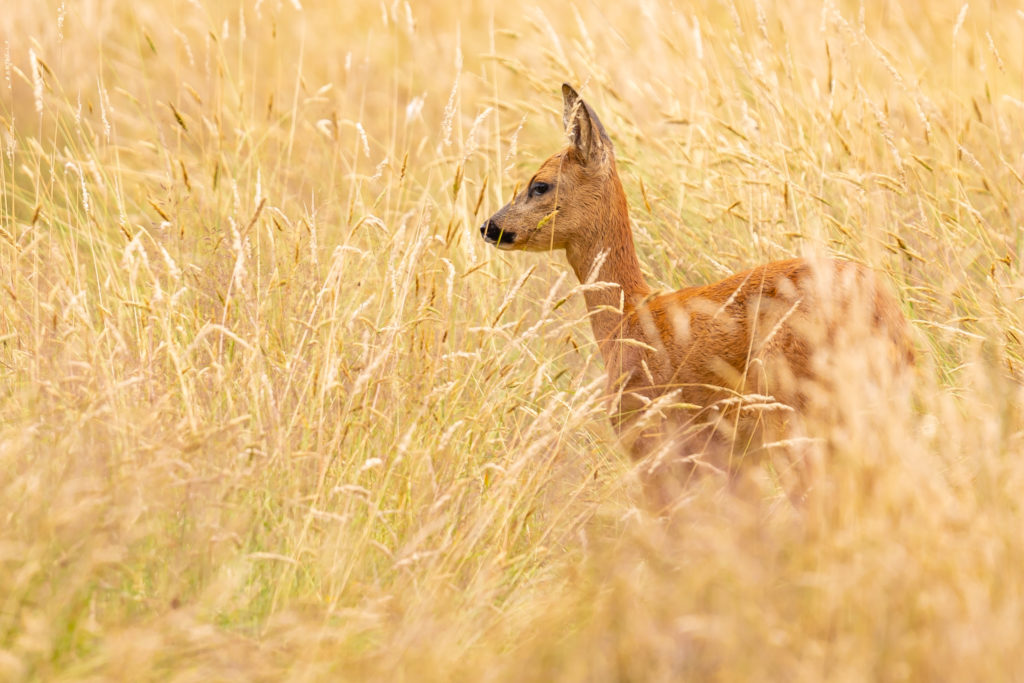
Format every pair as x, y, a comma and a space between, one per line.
493, 234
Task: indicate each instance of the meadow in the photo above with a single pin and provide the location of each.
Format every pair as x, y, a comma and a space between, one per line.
270, 409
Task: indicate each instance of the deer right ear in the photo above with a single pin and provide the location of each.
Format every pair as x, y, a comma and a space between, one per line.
586, 134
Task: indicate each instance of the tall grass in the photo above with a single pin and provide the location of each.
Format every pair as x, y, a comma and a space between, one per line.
269, 408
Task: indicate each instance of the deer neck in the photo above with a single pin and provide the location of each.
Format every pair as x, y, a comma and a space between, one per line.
609, 249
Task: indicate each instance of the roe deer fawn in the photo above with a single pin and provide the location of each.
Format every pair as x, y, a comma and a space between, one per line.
680, 363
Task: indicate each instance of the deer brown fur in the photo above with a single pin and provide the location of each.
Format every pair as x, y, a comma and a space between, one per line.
770, 331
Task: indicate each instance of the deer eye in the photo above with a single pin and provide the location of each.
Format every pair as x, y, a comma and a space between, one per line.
537, 189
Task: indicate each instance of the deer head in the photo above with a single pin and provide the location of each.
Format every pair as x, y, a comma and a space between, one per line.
567, 201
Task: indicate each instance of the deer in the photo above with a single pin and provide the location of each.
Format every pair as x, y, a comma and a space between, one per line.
696, 376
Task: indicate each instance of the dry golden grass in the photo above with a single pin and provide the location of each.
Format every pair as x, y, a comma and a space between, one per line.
269, 408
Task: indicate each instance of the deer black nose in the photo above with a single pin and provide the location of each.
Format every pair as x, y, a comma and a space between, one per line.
492, 232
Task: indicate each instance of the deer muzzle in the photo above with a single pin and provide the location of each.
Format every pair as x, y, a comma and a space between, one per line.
493, 234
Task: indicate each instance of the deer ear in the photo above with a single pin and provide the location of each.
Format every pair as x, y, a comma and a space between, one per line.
586, 134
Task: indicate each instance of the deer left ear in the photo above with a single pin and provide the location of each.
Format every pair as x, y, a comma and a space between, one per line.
586, 134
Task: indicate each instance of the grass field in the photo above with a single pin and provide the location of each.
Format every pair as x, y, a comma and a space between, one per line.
270, 409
